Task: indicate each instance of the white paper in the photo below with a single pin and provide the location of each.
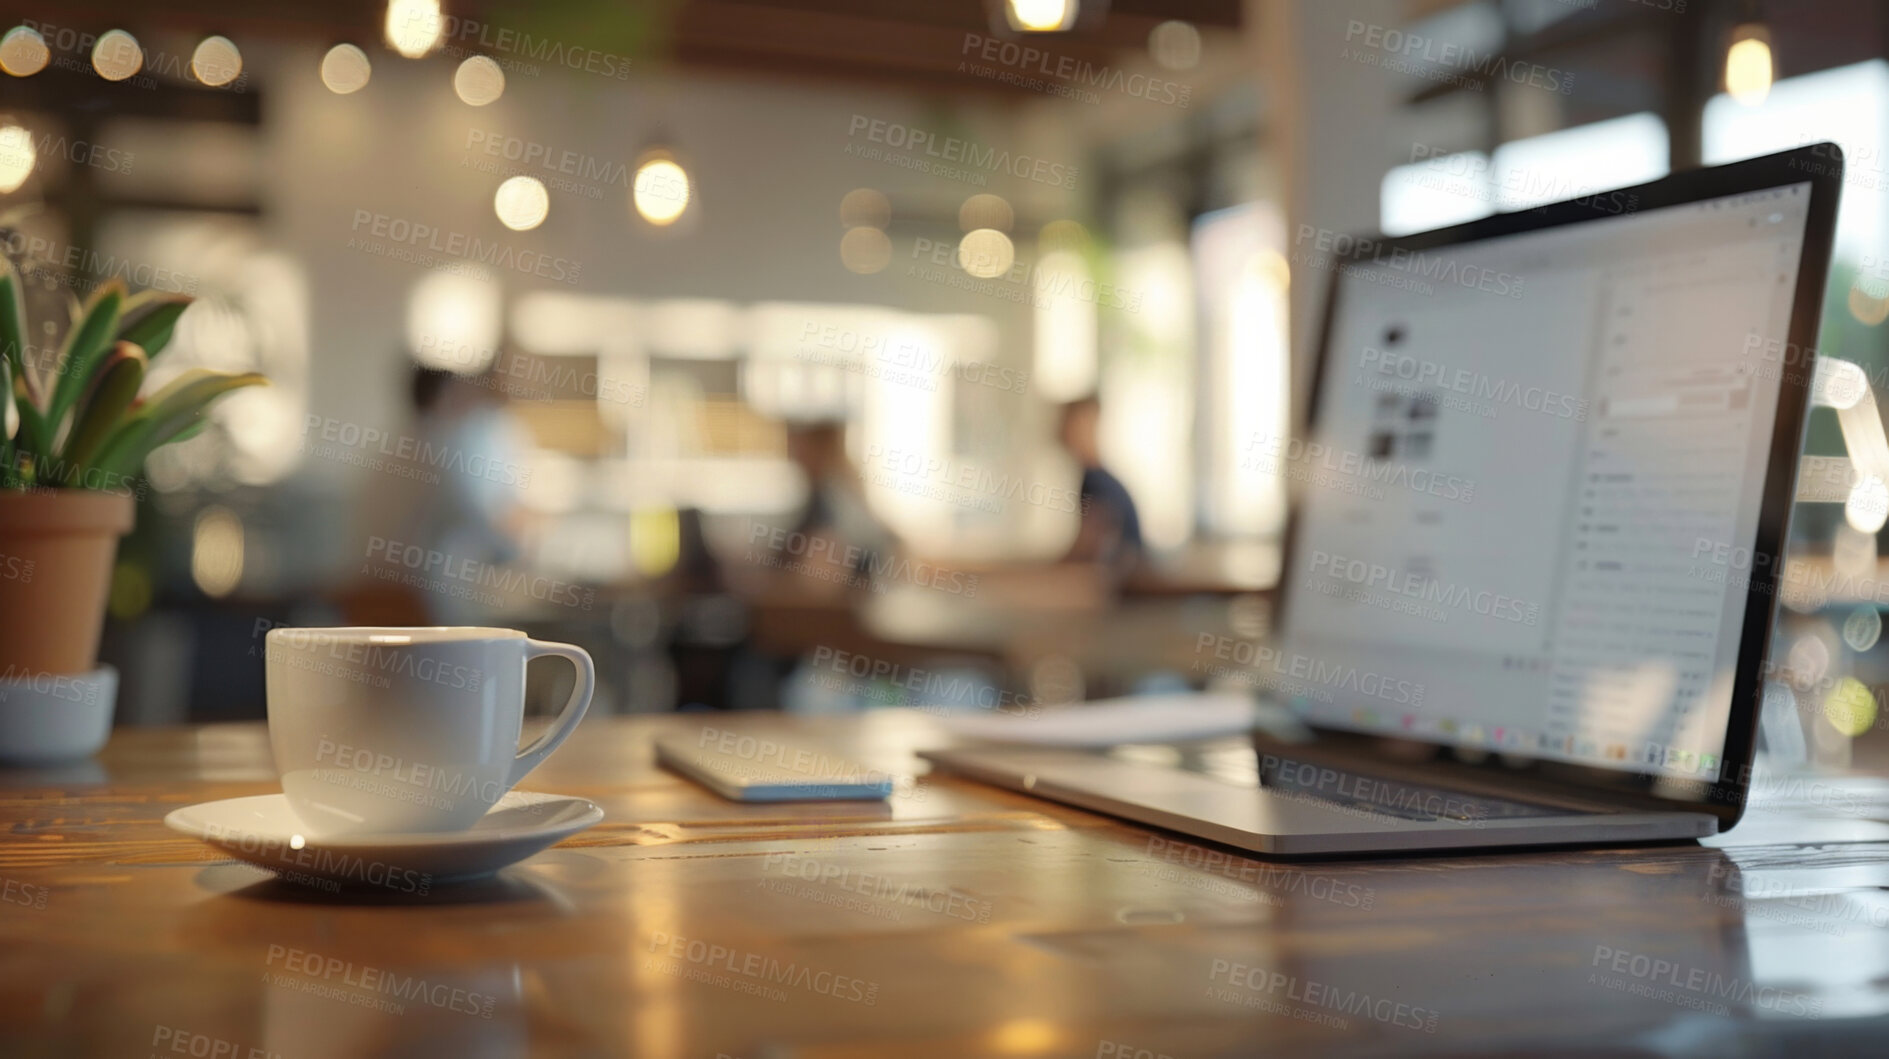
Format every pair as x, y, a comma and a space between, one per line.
1108, 722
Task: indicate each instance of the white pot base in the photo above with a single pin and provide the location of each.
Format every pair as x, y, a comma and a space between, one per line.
49, 720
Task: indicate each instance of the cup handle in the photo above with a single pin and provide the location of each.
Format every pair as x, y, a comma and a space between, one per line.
532, 756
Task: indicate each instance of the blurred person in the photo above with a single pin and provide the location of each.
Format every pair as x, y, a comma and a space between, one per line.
805, 578
452, 487
851, 539
1110, 531
707, 622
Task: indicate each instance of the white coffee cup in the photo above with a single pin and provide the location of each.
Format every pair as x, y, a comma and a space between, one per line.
393, 730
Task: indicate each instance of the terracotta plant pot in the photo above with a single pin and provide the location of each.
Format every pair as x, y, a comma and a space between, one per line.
56, 552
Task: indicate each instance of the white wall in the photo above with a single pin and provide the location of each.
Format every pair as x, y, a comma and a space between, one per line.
1333, 128
770, 165
767, 157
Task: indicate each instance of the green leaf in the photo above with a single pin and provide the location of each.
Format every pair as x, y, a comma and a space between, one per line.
9, 423
103, 408
196, 427
33, 438
138, 300
165, 415
151, 332
13, 322
86, 346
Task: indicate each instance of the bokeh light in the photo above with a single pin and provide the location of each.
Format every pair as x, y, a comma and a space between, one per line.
1041, 16
1849, 707
216, 552
655, 540
1869, 300
1808, 660
866, 207
1025, 1036
23, 52
1174, 45
986, 211
345, 69
117, 55
479, 81
414, 27
455, 321
1862, 629
1839, 383
521, 203
216, 62
865, 250
1063, 234
986, 253
17, 157
1868, 505
661, 190
1748, 65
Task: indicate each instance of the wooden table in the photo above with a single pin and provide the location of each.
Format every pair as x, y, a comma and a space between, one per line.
954, 921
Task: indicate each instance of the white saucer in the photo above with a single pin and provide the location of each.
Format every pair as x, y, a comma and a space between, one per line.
264, 831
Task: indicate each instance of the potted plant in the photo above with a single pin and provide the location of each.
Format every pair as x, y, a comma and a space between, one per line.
77, 432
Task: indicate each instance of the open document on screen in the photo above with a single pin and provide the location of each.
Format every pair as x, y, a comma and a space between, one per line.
1519, 444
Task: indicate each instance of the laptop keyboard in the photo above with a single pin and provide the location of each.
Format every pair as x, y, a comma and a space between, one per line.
1408, 801
1237, 764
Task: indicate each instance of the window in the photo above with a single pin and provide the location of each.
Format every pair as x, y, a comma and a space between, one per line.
1580, 161
1448, 189
1435, 193
1848, 105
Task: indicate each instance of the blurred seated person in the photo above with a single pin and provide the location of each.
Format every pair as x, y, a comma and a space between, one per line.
450, 487
836, 542
1107, 548
1110, 531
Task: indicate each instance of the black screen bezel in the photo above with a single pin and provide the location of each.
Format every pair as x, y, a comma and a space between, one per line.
1821, 166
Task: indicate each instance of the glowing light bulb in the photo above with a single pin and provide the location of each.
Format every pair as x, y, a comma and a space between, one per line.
216, 62
345, 69
414, 27
117, 55
661, 191
23, 52
986, 253
1041, 16
479, 81
1748, 64
521, 203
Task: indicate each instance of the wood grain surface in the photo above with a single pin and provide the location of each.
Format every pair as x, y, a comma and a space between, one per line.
953, 920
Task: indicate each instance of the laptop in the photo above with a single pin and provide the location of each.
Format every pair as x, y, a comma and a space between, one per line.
1518, 603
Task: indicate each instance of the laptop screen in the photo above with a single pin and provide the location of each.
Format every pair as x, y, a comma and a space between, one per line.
1526, 453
